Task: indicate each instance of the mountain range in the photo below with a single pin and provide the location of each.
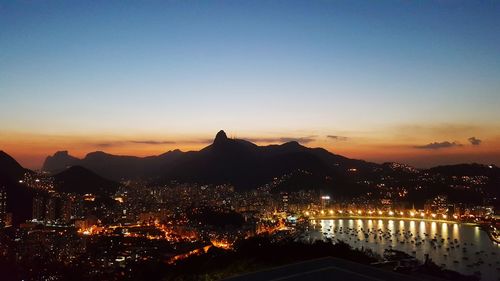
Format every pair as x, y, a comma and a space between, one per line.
74, 179
226, 160
289, 166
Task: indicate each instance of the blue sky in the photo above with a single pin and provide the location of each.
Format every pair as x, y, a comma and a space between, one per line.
182, 69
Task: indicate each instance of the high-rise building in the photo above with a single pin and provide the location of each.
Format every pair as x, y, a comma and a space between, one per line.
284, 200
3, 206
52, 209
67, 209
325, 201
38, 208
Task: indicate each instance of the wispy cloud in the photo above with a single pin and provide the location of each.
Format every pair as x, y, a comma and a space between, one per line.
438, 145
303, 140
106, 144
337, 138
474, 141
121, 143
151, 142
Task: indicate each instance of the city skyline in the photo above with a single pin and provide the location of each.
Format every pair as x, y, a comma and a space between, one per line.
415, 83
250, 140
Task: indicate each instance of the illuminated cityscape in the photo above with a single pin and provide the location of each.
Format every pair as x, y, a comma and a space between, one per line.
120, 227
249, 140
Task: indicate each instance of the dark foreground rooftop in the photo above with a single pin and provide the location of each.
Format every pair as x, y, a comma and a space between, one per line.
326, 269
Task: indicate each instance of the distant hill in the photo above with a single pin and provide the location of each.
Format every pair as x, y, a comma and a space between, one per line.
226, 160
77, 179
60, 161
115, 167
473, 169
285, 167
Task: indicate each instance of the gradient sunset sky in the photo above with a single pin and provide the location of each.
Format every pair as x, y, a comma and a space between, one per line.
416, 82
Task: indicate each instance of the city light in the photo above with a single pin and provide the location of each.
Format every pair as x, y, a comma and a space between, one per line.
390, 107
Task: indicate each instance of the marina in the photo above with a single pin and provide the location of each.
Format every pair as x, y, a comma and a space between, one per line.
460, 247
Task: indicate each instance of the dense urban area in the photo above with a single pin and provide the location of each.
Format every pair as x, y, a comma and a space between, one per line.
112, 233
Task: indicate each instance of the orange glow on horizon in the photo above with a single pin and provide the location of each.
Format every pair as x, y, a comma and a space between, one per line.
31, 150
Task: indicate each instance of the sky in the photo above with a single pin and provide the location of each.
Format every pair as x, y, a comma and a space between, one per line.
416, 82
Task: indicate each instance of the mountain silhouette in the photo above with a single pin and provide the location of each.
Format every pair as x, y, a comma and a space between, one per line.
19, 197
10, 170
59, 161
226, 160
80, 180
291, 166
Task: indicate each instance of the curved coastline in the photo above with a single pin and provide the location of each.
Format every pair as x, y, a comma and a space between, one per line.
331, 217
485, 229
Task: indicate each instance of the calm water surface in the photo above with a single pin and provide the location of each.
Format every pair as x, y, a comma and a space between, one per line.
459, 247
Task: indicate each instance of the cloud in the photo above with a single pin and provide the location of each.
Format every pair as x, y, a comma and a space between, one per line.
337, 138
303, 140
198, 141
151, 142
121, 143
106, 144
474, 141
438, 145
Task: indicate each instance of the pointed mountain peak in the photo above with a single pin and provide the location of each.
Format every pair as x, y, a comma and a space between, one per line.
220, 137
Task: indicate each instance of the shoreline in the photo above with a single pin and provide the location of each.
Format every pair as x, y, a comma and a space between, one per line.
482, 227
391, 218
492, 237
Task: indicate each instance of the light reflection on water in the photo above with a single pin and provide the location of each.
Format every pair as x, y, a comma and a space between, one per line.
405, 235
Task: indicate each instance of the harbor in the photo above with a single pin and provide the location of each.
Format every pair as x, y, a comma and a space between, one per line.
464, 248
